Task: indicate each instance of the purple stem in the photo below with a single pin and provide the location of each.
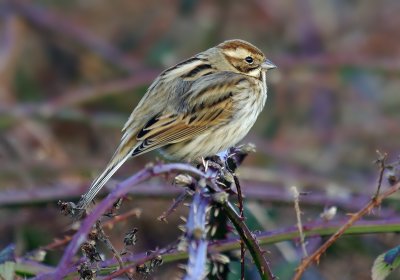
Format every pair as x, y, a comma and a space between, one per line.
273, 234
196, 237
121, 190
215, 246
263, 192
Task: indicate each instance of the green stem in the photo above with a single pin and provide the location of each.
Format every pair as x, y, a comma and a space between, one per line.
265, 238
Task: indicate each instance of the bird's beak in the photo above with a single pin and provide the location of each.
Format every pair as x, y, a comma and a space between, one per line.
268, 65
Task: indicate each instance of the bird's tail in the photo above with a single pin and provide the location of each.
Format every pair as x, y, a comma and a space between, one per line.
102, 179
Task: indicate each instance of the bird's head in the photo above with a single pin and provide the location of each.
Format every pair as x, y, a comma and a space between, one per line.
243, 57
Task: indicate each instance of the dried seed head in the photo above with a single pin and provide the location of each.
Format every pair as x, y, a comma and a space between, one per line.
85, 272
130, 237
142, 269
90, 251
156, 262
183, 180
67, 208
93, 235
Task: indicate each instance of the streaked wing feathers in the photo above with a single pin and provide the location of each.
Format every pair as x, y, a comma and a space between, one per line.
182, 127
208, 105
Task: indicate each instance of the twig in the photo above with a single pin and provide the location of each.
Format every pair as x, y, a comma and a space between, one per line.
173, 207
381, 161
122, 217
376, 201
296, 195
101, 235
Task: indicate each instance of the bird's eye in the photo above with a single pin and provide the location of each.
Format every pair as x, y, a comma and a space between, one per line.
249, 60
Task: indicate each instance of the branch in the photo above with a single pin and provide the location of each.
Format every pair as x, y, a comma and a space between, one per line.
375, 202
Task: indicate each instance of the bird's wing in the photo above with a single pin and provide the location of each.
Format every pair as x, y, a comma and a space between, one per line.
206, 103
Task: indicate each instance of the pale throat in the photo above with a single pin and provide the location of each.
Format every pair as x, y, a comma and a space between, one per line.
264, 81
255, 72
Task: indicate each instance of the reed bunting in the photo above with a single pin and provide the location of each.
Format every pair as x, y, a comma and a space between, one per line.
197, 108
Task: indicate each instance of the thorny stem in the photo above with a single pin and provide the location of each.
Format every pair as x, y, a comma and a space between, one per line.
250, 240
375, 201
173, 207
196, 237
242, 248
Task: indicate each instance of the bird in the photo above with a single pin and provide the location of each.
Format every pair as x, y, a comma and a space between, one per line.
197, 108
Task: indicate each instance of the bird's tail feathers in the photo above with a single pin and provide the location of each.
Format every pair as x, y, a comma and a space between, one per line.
102, 179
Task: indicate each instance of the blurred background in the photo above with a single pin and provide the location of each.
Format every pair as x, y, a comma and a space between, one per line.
72, 71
